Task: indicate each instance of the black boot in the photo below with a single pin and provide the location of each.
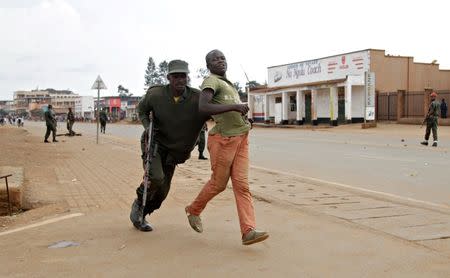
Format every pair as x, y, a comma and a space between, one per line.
136, 216
202, 157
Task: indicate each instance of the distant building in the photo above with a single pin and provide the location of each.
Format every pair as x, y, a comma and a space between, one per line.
332, 90
61, 100
25, 101
84, 107
119, 107
7, 106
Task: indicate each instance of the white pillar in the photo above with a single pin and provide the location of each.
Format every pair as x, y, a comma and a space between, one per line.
250, 103
266, 108
333, 104
298, 101
348, 101
284, 107
314, 106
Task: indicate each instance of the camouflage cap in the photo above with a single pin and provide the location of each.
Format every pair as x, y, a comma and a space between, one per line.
178, 66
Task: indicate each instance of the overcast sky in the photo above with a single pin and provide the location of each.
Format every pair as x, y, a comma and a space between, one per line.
65, 44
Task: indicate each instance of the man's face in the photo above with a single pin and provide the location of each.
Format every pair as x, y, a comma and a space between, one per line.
178, 81
217, 64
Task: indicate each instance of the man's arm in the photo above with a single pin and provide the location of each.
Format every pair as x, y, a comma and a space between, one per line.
145, 108
206, 107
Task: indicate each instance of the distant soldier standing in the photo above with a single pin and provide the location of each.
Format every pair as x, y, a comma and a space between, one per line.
70, 121
103, 119
432, 120
50, 122
443, 109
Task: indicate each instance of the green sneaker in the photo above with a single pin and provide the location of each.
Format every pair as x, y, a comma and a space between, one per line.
254, 236
194, 220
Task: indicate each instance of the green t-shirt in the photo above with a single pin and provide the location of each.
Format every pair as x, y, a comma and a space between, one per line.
229, 123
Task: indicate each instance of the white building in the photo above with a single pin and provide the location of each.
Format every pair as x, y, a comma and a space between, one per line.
84, 107
325, 90
336, 89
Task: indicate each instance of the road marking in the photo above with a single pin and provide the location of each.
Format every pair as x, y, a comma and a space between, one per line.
383, 158
389, 195
49, 221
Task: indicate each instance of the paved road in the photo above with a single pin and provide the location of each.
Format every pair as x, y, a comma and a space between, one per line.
387, 159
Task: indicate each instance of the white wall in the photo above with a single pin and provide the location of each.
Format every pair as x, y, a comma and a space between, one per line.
357, 101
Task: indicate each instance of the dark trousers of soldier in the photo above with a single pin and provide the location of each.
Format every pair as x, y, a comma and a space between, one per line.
102, 126
431, 126
161, 174
201, 142
50, 128
69, 127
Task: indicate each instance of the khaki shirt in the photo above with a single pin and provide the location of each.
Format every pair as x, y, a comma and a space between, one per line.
230, 123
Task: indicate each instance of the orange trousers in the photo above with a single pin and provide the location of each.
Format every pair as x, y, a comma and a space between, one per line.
229, 158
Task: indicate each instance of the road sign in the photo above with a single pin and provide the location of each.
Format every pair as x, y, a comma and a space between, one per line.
99, 84
370, 95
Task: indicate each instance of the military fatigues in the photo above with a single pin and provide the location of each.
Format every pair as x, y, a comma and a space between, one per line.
103, 118
432, 120
70, 121
177, 123
50, 122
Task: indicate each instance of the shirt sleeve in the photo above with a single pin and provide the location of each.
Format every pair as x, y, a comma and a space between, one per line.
145, 107
210, 83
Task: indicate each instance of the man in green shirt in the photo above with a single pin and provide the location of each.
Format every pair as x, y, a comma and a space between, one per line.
432, 120
177, 123
228, 149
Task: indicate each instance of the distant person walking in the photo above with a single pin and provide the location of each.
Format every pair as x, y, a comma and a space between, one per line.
103, 118
432, 120
70, 121
50, 122
443, 109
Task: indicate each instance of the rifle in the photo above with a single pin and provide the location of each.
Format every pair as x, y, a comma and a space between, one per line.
424, 121
150, 153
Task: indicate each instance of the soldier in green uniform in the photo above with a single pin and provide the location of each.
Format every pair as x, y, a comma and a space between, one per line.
201, 142
432, 120
177, 123
103, 118
70, 121
50, 122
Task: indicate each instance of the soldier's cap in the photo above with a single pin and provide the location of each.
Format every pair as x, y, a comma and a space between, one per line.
50, 106
433, 94
178, 66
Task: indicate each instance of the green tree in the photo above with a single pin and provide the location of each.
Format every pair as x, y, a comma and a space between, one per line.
123, 92
163, 69
252, 84
151, 74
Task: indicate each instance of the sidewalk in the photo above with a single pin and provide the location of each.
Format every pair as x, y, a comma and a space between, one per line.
99, 181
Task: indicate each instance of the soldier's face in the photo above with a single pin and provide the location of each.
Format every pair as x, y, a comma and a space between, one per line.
217, 64
178, 80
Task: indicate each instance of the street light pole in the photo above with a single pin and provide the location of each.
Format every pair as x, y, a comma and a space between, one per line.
96, 116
